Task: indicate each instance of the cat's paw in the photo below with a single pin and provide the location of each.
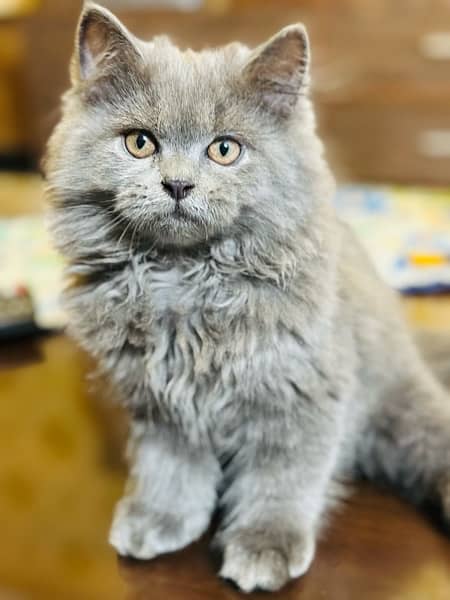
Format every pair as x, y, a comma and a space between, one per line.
143, 533
265, 559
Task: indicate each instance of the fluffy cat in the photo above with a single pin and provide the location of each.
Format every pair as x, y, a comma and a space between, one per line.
261, 358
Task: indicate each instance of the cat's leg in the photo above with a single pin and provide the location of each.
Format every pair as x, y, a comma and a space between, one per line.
170, 496
275, 496
407, 443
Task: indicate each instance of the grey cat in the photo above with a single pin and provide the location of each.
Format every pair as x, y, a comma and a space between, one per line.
260, 357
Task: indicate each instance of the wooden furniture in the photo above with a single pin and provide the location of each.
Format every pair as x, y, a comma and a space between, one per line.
381, 72
384, 89
13, 109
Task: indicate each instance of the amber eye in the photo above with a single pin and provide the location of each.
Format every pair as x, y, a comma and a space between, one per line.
140, 144
225, 151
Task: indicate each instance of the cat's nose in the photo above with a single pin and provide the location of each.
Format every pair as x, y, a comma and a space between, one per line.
176, 188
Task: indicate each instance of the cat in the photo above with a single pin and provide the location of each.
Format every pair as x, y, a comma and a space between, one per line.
261, 359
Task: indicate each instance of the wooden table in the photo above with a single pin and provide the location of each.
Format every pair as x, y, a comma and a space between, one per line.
60, 474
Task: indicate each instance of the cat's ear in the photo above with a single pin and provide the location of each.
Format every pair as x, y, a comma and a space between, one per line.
102, 43
278, 71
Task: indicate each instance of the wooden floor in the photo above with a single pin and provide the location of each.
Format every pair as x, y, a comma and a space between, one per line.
61, 473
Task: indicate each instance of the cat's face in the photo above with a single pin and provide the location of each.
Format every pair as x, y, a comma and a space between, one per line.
181, 147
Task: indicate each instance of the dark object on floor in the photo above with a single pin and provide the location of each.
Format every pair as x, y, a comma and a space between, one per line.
17, 314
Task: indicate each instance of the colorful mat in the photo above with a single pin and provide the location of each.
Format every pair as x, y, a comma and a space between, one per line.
405, 230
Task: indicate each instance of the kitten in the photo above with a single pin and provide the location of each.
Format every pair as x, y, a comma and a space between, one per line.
261, 358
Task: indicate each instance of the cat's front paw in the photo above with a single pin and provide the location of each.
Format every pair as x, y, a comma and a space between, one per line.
265, 559
143, 533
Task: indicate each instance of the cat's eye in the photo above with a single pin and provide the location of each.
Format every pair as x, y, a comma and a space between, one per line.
225, 151
139, 144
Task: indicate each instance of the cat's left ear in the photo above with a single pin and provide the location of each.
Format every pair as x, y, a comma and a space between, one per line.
102, 44
278, 71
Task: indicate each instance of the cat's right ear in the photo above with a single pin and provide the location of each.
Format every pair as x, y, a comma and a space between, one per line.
102, 43
278, 71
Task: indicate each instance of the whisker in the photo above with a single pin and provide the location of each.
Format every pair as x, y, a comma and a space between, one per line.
130, 223
136, 227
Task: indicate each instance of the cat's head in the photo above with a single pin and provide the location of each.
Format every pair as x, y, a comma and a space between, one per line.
175, 148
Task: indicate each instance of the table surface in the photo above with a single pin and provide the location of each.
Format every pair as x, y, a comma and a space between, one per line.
61, 472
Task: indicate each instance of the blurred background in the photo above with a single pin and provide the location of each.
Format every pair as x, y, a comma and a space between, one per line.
381, 85
381, 71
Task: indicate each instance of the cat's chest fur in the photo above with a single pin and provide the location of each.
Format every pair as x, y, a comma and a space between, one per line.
165, 333
187, 343
183, 340
185, 314
150, 305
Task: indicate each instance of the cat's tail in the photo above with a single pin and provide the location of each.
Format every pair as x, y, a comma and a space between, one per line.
435, 348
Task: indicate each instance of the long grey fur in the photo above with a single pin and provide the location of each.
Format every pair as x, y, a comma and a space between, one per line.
260, 356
